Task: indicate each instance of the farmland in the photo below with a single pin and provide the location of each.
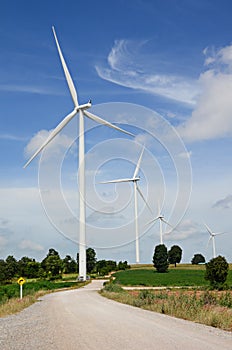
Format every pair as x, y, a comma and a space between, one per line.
187, 294
181, 277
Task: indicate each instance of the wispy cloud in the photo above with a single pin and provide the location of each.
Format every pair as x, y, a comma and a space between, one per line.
32, 89
123, 68
11, 137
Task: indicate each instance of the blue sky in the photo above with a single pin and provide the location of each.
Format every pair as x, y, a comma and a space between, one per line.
159, 67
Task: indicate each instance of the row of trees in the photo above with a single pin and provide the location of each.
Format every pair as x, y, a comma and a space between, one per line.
162, 257
52, 266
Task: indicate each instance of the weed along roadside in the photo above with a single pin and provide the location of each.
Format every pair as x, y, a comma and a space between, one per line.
180, 293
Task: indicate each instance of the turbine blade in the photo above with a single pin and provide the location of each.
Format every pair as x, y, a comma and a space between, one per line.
208, 229
59, 127
104, 122
159, 210
142, 196
116, 181
66, 72
152, 221
167, 223
219, 233
138, 164
209, 241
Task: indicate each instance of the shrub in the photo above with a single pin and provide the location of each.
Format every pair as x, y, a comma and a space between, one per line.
216, 272
111, 287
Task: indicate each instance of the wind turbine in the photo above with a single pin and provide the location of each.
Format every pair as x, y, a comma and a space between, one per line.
212, 237
82, 110
134, 180
161, 219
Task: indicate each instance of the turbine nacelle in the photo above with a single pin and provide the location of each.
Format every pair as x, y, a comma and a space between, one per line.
83, 107
136, 178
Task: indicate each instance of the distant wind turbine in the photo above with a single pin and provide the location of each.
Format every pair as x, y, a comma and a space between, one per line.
161, 219
212, 237
135, 180
82, 110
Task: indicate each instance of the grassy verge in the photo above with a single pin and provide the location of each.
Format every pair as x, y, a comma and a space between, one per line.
9, 294
206, 307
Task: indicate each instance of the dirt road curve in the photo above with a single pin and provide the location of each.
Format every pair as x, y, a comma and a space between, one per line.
82, 319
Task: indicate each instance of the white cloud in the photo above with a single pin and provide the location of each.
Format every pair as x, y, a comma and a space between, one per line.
212, 116
59, 143
124, 69
187, 228
224, 203
209, 95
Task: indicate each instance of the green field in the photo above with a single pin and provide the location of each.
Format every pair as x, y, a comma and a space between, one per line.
174, 277
12, 290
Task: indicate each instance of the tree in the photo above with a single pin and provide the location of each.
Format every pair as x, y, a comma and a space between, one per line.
198, 259
69, 265
52, 264
103, 267
217, 271
52, 252
11, 266
23, 266
160, 258
123, 265
33, 269
3, 272
90, 259
174, 255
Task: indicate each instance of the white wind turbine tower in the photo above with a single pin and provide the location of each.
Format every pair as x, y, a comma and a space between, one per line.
82, 110
161, 219
134, 180
212, 237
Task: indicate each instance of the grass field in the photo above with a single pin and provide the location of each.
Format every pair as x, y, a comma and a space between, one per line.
174, 277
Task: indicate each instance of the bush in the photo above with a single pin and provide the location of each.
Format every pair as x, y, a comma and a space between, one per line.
216, 272
111, 287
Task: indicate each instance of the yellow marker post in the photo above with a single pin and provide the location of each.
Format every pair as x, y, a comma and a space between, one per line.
21, 281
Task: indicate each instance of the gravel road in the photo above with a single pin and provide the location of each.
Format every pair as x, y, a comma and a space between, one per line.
82, 319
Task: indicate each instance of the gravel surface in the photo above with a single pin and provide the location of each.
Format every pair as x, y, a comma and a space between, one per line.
82, 319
